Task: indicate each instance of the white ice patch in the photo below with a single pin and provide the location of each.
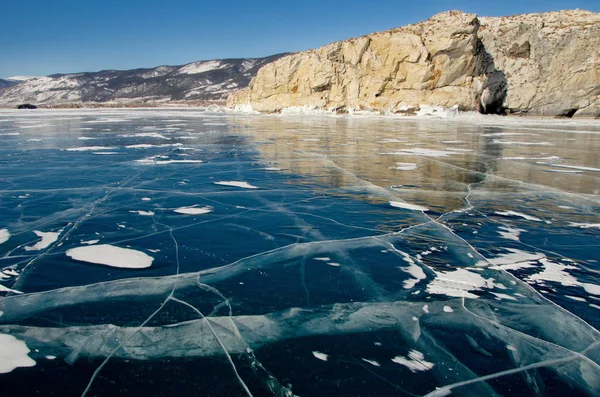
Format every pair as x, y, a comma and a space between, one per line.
145, 134
6, 289
556, 273
448, 309
47, 239
392, 141
531, 158
194, 210
515, 259
143, 213
425, 152
110, 255
320, 356
584, 225
412, 207
404, 167
413, 269
244, 185
372, 362
518, 214
324, 259
13, 354
510, 233
415, 361
90, 242
165, 162
573, 167
553, 272
4, 235
334, 264
146, 199
565, 171
501, 296
89, 148
512, 143
457, 283
272, 169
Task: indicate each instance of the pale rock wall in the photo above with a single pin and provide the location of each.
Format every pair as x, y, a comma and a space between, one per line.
538, 63
551, 61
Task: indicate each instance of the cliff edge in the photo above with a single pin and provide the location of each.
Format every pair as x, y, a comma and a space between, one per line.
538, 64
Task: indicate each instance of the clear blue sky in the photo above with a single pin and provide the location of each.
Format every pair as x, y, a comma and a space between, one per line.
40, 37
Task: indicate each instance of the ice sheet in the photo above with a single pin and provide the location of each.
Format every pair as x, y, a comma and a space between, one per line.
434, 268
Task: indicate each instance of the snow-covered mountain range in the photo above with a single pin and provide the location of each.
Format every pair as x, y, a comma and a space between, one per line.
197, 81
6, 83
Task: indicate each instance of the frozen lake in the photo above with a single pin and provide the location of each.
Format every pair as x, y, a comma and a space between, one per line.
177, 252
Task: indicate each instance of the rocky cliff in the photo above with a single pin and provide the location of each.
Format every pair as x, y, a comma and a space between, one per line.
542, 64
196, 81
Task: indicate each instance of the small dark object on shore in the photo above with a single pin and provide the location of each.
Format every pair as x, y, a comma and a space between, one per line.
26, 106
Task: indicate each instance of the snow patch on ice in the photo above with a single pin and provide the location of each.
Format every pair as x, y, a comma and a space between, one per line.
320, 356
413, 269
110, 255
414, 362
512, 143
89, 148
143, 213
510, 233
6, 289
244, 185
573, 167
372, 362
458, 283
584, 225
518, 214
4, 235
425, 152
145, 135
407, 206
47, 239
404, 167
154, 161
194, 210
13, 354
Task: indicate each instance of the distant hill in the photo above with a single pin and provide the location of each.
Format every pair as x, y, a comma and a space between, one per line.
6, 83
197, 81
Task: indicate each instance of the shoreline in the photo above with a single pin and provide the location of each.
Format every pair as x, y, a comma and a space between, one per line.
220, 108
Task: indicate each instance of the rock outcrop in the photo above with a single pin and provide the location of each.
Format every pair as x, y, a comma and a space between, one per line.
542, 64
551, 61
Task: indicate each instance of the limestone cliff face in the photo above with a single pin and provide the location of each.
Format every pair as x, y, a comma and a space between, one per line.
539, 64
551, 61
